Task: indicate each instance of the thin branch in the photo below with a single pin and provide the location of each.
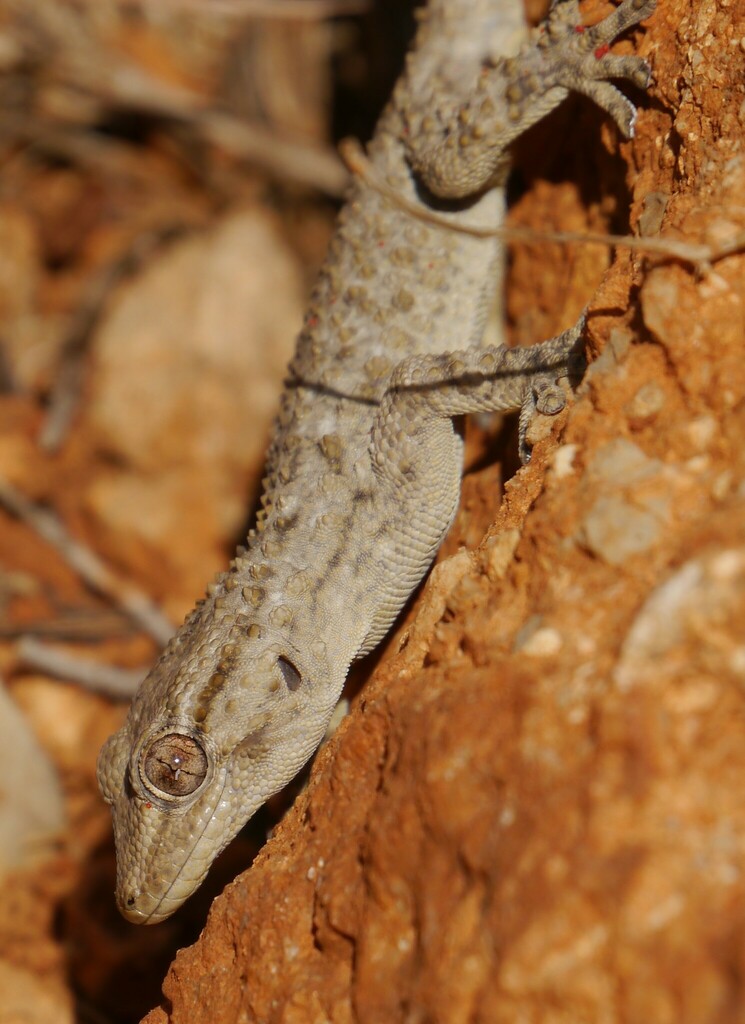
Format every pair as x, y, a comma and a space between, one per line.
134, 602
111, 78
82, 627
119, 683
294, 10
314, 166
69, 377
127, 86
700, 256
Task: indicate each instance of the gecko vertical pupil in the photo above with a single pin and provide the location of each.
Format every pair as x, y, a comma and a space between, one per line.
174, 764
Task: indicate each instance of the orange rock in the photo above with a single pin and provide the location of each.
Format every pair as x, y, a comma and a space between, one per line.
534, 812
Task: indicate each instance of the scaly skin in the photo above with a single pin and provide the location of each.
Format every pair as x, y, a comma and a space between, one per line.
364, 469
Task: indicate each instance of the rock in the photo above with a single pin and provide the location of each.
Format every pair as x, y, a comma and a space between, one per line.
187, 368
31, 809
696, 601
623, 521
26, 999
616, 531
621, 463
533, 811
646, 405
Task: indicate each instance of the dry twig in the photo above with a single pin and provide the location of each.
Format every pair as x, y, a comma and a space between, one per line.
118, 683
91, 569
292, 10
81, 73
701, 256
68, 379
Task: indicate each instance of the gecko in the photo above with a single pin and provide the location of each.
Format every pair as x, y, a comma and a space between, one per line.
364, 469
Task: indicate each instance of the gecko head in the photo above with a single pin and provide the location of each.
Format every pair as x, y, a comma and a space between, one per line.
184, 774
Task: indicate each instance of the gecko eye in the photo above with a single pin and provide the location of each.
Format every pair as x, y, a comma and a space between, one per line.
290, 674
175, 764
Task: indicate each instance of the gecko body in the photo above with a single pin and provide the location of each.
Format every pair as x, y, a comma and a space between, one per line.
365, 465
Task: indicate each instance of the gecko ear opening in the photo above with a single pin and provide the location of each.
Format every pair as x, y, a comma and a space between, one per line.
289, 673
173, 765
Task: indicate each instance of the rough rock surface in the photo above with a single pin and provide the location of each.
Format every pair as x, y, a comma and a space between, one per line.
534, 810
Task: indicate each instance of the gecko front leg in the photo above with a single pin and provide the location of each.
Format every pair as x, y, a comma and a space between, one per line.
414, 421
458, 146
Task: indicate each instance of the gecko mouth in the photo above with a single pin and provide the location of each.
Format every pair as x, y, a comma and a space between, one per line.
163, 891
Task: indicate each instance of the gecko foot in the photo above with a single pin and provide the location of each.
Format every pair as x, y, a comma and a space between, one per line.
578, 59
545, 395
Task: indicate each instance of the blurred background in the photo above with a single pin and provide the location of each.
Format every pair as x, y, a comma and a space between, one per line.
168, 184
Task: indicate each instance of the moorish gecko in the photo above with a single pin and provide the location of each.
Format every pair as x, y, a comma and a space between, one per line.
364, 469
